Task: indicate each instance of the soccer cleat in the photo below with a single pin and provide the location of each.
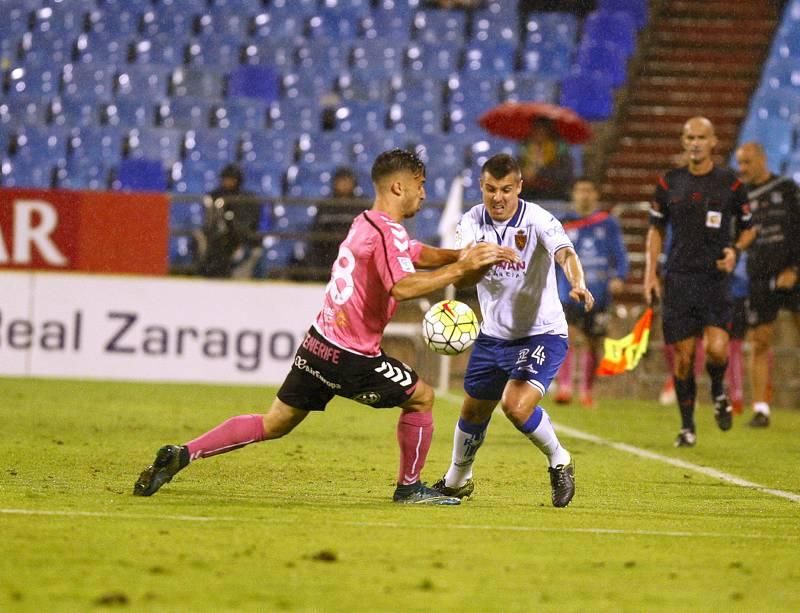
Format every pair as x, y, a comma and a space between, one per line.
419, 493
723, 413
562, 483
169, 460
462, 491
686, 438
738, 406
667, 396
563, 396
760, 420
587, 402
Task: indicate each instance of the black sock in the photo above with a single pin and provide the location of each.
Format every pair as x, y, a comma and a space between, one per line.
717, 374
685, 391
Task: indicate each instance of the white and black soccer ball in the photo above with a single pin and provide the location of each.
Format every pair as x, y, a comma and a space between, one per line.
449, 327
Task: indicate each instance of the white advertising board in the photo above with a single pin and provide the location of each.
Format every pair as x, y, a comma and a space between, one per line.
151, 329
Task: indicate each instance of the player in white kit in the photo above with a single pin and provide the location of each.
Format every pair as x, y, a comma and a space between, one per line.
341, 354
523, 337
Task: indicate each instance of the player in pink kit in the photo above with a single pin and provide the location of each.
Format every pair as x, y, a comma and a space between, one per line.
341, 354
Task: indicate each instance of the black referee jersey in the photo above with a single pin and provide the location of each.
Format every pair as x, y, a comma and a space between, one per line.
776, 217
700, 210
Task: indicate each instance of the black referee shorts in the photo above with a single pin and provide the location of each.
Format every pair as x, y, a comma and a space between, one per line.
765, 301
693, 302
321, 370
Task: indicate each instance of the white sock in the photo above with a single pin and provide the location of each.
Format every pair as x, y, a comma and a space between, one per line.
465, 446
761, 407
544, 437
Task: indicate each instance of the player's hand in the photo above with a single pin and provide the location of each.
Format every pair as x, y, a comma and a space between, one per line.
616, 286
475, 257
728, 261
582, 294
651, 291
786, 279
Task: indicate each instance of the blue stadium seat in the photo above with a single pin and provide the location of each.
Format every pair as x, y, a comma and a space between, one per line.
606, 57
140, 175
416, 117
186, 215
34, 80
85, 79
450, 148
391, 26
6, 136
418, 87
426, 222
440, 26
9, 50
240, 114
336, 24
160, 49
277, 53
299, 114
174, 19
81, 174
195, 176
26, 171
56, 47
495, 24
104, 46
308, 181
185, 112
322, 55
588, 94
97, 145
75, 111
273, 24
522, 87
42, 142
359, 116
64, 18
15, 24
163, 144
434, 60
212, 144
490, 58
617, 27
268, 147
555, 27
482, 148
265, 178
143, 81
278, 254
638, 9
197, 81
361, 86
781, 103
260, 82
22, 110
548, 60
377, 58
332, 147
369, 144
776, 135
782, 73
131, 112
115, 21
226, 21
214, 50
182, 252
470, 86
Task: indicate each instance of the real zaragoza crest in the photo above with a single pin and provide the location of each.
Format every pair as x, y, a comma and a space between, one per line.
521, 239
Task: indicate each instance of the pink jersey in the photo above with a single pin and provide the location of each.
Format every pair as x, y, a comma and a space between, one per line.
376, 254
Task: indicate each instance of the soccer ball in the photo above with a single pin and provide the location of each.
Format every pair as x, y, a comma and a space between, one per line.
449, 327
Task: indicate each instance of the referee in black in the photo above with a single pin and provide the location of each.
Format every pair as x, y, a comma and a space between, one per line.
772, 264
708, 211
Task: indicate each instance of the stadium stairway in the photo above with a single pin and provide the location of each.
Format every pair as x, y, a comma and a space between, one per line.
697, 58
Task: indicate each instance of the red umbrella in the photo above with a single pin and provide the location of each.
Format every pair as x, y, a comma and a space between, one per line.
514, 120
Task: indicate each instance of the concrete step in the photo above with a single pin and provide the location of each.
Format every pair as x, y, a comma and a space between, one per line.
708, 9
678, 68
688, 83
671, 113
723, 56
690, 36
670, 95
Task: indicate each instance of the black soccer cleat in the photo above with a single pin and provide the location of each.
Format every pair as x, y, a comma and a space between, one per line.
760, 420
723, 413
562, 482
686, 438
419, 493
463, 491
170, 459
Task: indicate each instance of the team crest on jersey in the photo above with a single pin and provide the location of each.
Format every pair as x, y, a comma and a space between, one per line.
367, 397
521, 239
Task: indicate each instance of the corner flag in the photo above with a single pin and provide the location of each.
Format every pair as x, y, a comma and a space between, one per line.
621, 355
452, 213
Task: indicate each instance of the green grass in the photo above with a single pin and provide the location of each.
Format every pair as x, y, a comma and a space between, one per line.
305, 523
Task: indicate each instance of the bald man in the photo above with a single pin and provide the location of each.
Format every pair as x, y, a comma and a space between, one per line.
707, 209
772, 264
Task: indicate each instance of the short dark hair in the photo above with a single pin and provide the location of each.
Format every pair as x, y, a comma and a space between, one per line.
584, 179
501, 165
396, 160
343, 172
232, 171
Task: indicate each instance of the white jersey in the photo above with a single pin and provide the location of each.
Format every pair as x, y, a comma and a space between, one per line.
519, 300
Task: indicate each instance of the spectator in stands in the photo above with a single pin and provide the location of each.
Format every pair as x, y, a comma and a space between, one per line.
598, 242
773, 260
701, 202
334, 219
230, 244
546, 163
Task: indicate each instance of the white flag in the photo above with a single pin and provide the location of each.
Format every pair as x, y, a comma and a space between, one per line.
452, 213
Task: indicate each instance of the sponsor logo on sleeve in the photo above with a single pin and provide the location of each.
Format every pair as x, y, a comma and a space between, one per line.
406, 264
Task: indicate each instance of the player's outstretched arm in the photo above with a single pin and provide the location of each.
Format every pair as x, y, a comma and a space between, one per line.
470, 259
434, 257
571, 264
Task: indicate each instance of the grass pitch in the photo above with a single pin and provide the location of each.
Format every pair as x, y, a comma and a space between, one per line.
306, 523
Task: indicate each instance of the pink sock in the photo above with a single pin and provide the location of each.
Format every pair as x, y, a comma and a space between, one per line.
414, 433
669, 358
699, 359
588, 366
735, 370
564, 376
229, 435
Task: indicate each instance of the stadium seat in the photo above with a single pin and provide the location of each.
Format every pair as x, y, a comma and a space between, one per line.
185, 112
588, 94
435, 26
159, 49
426, 223
377, 58
433, 60
64, 19
332, 147
24, 110
277, 53
554, 27
365, 87
174, 19
211, 144
269, 147
140, 175
495, 24
370, 143
295, 115
391, 26
85, 79
140, 81
34, 80
226, 21
115, 21
81, 174
97, 47
45, 143
165, 144
197, 81
781, 103
617, 27
638, 9
75, 111
97, 145
606, 57
198, 176
418, 87
308, 181
359, 116
182, 252
131, 112
416, 117
782, 73
40, 47
264, 178
240, 114
186, 215
489, 59
277, 255
25, 171
333, 24
776, 136
521, 87
214, 50
261, 82
548, 60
